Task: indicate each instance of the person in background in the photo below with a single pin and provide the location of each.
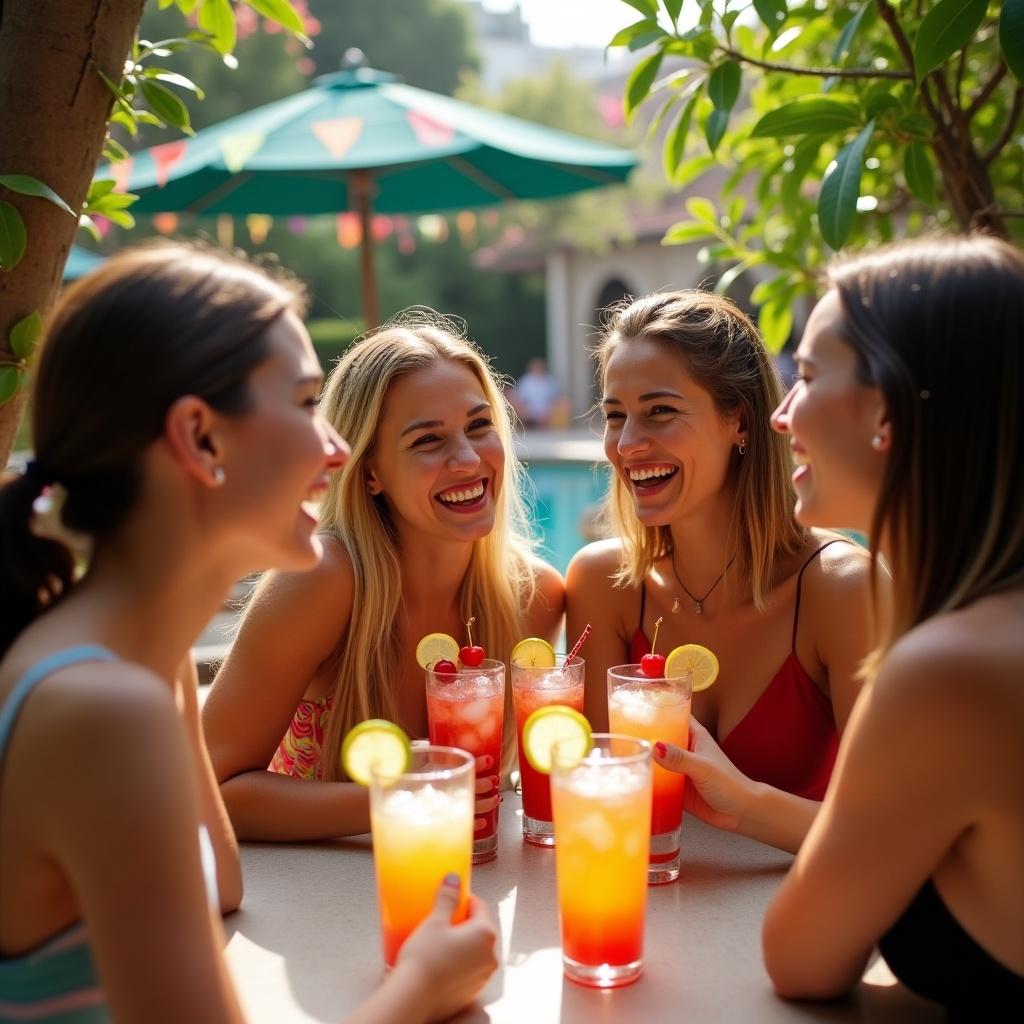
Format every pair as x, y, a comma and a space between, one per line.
423, 528
536, 395
178, 446
919, 845
705, 539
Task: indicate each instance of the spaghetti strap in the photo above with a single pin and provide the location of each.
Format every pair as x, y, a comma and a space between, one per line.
800, 581
643, 604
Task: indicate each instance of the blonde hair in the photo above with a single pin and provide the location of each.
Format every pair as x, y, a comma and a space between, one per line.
499, 583
724, 353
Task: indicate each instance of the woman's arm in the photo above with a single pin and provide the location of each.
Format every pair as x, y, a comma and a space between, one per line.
212, 812
123, 824
906, 786
290, 631
590, 597
544, 615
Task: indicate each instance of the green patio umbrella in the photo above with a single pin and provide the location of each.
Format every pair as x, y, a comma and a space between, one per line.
360, 140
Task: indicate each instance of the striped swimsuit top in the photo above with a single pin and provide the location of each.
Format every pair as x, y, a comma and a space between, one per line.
57, 981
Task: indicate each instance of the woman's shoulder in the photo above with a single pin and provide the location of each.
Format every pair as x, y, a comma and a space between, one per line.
833, 564
548, 580
329, 586
597, 562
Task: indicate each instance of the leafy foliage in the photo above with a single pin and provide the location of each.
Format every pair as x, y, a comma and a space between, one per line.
839, 123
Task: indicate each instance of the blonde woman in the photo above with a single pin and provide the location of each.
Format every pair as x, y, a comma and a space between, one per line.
422, 529
702, 508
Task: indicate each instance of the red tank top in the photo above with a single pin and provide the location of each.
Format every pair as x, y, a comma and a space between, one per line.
788, 739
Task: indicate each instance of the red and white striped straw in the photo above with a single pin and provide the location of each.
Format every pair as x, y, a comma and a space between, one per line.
579, 643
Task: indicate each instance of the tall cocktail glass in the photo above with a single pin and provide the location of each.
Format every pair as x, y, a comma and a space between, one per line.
602, 809
534, 688
652, 710
422, 824
467, 710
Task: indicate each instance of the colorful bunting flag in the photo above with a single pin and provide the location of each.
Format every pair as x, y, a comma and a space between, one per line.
350, 232
429, 132
166, 156
339, 135
236, 149
259, 225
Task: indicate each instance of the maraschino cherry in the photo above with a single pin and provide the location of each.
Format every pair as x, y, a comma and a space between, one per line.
444, 668
472, 654
653, 665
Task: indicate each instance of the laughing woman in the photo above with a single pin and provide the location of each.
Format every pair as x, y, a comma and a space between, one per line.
422, 529
702, 504
909, 422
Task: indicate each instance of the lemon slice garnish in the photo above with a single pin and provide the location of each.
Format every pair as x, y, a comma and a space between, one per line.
549, 725
375, 745
696, 659
435, 647
533, 653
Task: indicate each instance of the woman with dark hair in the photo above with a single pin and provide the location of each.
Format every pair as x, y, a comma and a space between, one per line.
705, 539
178, 447
908, 424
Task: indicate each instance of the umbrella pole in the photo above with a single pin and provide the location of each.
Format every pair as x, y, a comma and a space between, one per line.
362, 188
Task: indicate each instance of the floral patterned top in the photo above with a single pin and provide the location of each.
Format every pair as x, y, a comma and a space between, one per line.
299, 751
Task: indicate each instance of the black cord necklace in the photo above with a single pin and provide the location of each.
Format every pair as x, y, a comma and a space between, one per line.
698, 602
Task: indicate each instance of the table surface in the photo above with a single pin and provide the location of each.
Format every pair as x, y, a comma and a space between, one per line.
306, 945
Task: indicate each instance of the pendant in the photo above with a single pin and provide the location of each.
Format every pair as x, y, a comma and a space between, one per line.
697, 607
675, 605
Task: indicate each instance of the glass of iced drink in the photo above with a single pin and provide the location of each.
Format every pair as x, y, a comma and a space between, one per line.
655, 709
602, 809
466, 709
534, 688
422, 824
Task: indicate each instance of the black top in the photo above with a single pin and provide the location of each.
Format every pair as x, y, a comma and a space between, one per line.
931, 954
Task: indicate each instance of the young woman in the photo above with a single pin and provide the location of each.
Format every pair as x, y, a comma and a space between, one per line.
702, 506
423, 529
908, 424
178, 446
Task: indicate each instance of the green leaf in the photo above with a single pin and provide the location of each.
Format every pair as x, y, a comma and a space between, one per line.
687, 231
280, 11
809, 115
672, 8
218, 19
164, 4
99, 188
88, 225
25, 335
837, 201
724, 85
804, 157
918, 170
775, 321
846, 37
772, 13
27, 186
166, 105
10, 381
173, 78
947, 27
1011, 36
703, 210
114, 151
714, 127
12, 236
728, 278
649, 8
630, 32
187, 6
693, 169
675, 141
640, 81
120, 217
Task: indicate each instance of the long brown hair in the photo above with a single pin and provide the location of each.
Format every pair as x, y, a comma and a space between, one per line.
723, 351
938, 326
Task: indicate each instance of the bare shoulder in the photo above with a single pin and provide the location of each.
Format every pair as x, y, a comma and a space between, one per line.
594, 565
549, 581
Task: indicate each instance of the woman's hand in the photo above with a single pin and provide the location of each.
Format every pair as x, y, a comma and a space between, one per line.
718, 792
449, 963
487, 798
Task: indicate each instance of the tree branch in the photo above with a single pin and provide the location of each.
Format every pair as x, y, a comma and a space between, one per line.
986, 91
1011, 123
793, 69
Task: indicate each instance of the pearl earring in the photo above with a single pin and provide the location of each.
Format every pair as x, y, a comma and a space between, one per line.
742, 446
219, 476
877, 442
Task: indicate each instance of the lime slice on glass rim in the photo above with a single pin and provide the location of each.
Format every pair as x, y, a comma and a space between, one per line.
553, 724
695, 659
533, 653
375, 745
435, 647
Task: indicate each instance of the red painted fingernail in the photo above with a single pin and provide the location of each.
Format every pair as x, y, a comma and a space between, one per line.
488, 761
660, 749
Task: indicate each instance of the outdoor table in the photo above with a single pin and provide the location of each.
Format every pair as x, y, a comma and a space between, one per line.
306, 945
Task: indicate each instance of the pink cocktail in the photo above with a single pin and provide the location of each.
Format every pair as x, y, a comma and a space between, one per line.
467, 710
534, 688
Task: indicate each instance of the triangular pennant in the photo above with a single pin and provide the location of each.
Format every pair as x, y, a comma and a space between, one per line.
429, 132
350, 232
339, 135
121, 172
259, 225
165, 157
236, 149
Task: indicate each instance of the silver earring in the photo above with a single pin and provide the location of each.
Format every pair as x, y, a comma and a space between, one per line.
219, 476
742, 446
877, 442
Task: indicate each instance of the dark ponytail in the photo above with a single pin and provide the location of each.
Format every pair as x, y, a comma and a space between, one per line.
123, 344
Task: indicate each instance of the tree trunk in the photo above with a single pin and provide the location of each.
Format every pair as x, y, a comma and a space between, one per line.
54, 117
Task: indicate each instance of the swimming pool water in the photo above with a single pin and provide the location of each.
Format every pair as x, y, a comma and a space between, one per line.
560, 495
